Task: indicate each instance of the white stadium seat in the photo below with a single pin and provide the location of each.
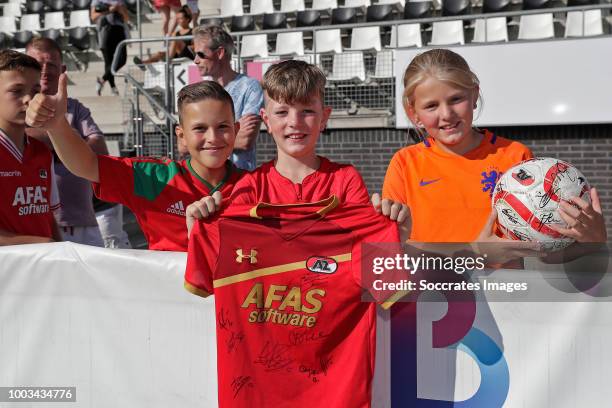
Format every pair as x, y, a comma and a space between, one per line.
55, 20
80, 18
348, 66
401, 2
30, 22
328, 41
12, 10
7, 25
254, 46
324, 4
447, 33
583, 23
231, 8
288, 6
384, 65
356, 3
290, 44
365, 38
496, 30
409, 36
261, 7
536, 27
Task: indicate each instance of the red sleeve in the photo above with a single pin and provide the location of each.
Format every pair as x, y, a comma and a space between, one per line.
375, 236
116, 180
202, 257
355, 190
245, 190
527, 154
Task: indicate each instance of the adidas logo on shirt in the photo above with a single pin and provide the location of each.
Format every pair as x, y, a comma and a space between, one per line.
177, 208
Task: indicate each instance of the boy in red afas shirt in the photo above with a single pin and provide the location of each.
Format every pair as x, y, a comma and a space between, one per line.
28, 195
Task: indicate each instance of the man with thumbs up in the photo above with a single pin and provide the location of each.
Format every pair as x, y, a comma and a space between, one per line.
76, 217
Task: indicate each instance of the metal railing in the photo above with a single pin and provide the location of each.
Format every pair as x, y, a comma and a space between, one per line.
347, 96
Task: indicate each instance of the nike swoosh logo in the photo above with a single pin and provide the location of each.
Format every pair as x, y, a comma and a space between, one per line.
423, 183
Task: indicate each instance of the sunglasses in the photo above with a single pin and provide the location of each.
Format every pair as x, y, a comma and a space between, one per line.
201, 55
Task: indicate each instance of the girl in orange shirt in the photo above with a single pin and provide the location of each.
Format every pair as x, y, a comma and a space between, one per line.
447, 179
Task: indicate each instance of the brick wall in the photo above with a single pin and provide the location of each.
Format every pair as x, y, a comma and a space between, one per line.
588, 147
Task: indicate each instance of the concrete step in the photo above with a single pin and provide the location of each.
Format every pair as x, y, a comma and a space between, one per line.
107, 110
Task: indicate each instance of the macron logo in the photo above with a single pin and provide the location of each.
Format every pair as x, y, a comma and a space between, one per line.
177, 208
14, 173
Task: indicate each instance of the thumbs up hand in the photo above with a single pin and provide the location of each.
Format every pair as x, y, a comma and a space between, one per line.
47, 111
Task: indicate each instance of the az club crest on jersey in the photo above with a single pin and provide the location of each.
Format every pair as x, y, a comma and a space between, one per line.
42, 173
320, 264
523, 177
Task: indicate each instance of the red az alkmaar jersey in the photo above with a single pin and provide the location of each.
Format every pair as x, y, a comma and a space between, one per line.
28, 195
292, 330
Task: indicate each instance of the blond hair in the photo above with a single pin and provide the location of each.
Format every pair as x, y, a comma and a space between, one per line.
294, 81
443, 65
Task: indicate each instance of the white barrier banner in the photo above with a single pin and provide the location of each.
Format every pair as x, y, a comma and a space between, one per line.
116, 324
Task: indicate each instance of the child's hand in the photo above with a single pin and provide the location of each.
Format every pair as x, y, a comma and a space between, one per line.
48, 110
501, 250
201, 209
585, 222
396, 211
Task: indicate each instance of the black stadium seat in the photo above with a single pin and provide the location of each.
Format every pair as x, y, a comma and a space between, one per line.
308, 18
79, 38
21, 38
455, 7
274, 21
56, 5
344, 15
571, 3
211, 20
34, 6
243, 23
379, 12
418, 9
81, 4
5, 41
51, 33
493, 6
535, 4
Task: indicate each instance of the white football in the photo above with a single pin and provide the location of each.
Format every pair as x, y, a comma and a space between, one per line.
527, 198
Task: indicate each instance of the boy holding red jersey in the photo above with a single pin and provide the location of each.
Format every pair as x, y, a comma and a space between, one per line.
291, 323
157, 191
28, 194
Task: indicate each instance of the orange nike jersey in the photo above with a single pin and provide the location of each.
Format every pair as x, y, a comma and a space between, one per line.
450, 196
